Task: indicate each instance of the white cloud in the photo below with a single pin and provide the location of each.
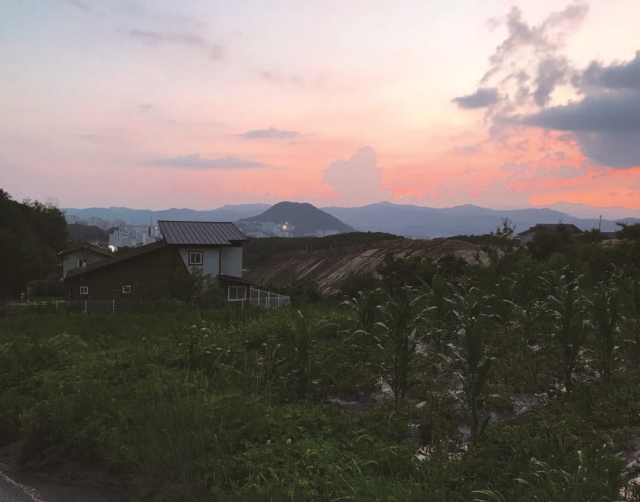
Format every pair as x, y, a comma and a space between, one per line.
358, 180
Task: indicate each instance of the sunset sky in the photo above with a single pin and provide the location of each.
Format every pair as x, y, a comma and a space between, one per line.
157, 104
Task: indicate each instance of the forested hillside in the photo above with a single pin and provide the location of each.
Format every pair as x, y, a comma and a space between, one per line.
257, 250
31, 234
87, 233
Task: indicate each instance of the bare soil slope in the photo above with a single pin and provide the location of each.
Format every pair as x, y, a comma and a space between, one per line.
328, 268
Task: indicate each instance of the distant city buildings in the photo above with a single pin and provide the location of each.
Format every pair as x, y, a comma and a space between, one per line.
133, 236
322, 233
125, 236
272, 229
265, 229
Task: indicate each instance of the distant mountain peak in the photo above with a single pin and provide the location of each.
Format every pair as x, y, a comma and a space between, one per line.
303, 218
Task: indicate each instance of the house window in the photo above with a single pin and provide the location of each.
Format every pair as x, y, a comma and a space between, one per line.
81, 262
195, 257
237, 293
84, 290
126, 289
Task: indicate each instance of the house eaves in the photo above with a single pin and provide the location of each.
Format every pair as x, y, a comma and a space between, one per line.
87, 246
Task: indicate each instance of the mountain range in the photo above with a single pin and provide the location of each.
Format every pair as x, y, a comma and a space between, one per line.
586, 211
149, 217
399, 219
416, 221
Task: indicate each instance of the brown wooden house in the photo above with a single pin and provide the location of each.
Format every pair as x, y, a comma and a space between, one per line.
144, 272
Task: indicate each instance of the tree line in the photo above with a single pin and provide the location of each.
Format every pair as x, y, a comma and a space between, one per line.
31, 235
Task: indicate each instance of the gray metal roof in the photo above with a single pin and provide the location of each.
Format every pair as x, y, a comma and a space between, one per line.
200, 233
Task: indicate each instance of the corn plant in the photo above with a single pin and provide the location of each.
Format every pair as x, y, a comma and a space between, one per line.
631, 294
473, 367
396, 336
606, 313
437, 313
504, 308
525, 308
365, 308
567, 306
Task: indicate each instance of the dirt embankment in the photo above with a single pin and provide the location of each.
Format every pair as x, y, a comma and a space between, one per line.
328, 268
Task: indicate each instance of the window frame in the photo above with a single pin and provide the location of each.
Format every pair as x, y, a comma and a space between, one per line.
126, 289
83, 290
236, 299
196, 262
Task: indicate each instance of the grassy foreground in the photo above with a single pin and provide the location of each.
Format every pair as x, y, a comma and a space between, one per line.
233, 405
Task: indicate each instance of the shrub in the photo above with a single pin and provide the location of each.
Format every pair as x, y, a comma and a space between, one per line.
360, 282
303, 291
399, 271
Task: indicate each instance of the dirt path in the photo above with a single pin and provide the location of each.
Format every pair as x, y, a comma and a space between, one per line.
12, 491
47, 481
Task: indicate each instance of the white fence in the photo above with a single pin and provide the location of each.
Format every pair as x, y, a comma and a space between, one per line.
267, 299
257, 297
85, 306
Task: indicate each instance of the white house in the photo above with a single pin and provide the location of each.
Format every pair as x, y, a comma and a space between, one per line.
215, 247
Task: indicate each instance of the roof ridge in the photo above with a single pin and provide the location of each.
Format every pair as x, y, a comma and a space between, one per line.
201, 233
196, 221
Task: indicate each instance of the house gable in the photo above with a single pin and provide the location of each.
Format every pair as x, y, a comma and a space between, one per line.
81, 256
